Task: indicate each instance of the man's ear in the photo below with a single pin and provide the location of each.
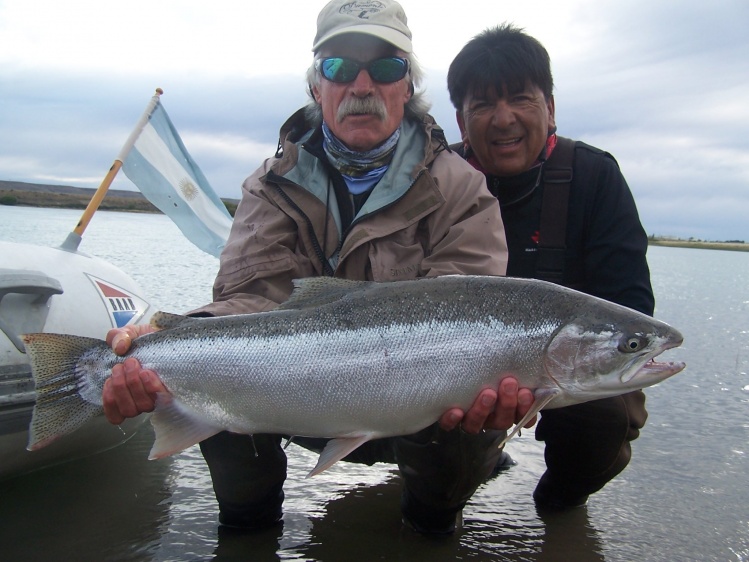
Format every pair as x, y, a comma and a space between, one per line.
315, 93
550, 108
461, 125
409, 93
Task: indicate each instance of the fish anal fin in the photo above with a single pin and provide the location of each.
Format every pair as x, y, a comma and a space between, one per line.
542, 399
176, 428
335, 450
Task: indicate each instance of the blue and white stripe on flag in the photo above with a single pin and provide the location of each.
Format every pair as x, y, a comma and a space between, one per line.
162, 169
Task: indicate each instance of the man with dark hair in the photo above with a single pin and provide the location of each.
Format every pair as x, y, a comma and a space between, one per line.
569, 218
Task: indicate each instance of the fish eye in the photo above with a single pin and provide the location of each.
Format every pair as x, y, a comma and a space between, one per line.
632, 344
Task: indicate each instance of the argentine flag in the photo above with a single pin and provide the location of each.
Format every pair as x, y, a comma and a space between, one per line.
160, 166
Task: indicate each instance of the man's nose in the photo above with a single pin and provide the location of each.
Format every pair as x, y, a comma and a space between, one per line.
362, 84
502, 114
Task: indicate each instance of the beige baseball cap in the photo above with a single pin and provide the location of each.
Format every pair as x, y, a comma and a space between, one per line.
384, 19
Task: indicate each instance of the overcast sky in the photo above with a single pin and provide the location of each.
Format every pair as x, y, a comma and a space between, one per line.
661, 84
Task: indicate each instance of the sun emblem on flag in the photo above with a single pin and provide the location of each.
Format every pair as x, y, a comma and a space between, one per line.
188, 189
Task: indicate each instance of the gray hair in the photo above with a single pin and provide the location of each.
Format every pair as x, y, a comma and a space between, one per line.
416, 107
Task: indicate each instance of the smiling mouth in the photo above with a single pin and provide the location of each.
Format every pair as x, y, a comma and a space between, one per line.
506, 142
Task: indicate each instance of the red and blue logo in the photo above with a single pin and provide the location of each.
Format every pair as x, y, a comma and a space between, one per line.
124, 307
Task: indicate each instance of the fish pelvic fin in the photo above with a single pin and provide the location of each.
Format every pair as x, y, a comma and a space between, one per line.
335, 450
542, 399
67, 394
176, 428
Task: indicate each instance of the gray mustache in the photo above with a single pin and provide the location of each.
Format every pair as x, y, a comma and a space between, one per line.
369, 105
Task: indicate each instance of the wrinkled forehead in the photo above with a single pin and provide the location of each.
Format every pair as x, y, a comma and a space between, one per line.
358, 46
487, 85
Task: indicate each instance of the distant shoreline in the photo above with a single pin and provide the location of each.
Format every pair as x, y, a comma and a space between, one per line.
699, 244
13, 193
68, 197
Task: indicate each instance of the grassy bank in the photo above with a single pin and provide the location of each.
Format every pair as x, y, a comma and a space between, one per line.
68, 197
730, 246
73, 201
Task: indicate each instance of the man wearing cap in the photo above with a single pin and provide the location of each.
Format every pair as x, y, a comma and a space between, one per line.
362, 187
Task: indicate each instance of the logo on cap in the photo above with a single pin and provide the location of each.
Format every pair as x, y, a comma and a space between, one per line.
362, 9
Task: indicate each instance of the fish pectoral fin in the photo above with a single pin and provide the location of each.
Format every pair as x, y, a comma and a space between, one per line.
542, 398
176, 428
335, 450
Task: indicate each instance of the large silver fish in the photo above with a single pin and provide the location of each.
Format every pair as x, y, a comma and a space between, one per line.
357, 361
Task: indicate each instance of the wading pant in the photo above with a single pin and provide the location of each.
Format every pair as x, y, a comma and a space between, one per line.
248, 473
441, 470
586, 446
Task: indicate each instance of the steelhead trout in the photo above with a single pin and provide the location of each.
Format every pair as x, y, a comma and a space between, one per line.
355, 361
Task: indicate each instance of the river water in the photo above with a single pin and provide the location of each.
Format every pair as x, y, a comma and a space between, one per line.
684, 496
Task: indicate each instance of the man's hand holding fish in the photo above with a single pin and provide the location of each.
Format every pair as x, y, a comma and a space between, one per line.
500, 409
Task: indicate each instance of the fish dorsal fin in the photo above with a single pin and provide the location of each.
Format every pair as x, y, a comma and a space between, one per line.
166, 320
312, 292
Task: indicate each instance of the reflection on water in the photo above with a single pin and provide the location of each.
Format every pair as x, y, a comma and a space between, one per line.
113, 506
684, 496
120, 506
353, 513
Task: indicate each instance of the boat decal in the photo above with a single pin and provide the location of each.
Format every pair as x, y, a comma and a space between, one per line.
124, 306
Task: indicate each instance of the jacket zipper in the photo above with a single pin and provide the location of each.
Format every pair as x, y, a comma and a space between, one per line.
277, 181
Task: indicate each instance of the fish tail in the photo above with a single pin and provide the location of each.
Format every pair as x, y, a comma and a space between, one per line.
69, 376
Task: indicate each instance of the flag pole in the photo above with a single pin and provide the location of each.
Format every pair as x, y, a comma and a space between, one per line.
74, 238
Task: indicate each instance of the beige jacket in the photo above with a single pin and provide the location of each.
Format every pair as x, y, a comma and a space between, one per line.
430, 214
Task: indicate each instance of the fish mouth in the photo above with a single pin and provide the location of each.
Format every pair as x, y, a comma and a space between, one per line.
656, 370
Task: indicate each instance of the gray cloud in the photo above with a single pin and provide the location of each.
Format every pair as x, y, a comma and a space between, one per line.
660, 85
69, 129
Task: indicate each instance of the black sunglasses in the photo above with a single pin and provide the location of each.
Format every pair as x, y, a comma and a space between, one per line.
341, 70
